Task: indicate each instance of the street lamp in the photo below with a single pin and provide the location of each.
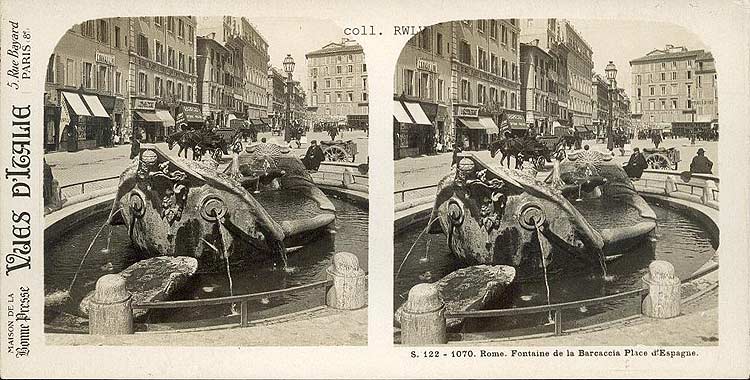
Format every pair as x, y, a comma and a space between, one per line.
611, 72
288, 68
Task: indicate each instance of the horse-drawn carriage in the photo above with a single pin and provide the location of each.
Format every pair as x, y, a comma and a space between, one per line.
539, 150
339, 150
215, 143
662, 158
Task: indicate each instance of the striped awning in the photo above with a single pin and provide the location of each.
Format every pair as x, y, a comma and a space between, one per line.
76, 103
96, 107
399, 113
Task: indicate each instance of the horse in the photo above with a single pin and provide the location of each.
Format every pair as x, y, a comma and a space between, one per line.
186, 140
507, 147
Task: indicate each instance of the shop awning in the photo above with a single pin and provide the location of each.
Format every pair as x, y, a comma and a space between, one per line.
258, 122
416, 112
489, 125
148, 116
266, 120
76, 103
166, 117
470, 123
96, 107
399, 113
514, 121
189, 114
581, 129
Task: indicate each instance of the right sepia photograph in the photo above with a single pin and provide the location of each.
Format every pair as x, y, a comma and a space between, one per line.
556, 183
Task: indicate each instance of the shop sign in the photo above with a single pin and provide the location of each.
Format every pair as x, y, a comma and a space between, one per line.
105, 59
426, 65
191, 108
144, 104
403, 137
463, 111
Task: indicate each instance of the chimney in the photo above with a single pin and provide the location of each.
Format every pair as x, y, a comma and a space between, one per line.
536, 42
669, 47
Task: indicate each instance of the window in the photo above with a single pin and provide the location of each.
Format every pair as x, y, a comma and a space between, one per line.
51, 69
480, 25
328, 97
86, 79
465, 53
663, 65
503, 98
674, 64
651, 90
513, 40
102, 31
190, 41
689, 74
514, 71
117, 37
689, 92
465, 90
189, 93
689, 104
513, 100
180, 28
88, 29
638, 79
170, 24
364, 96
440, 90
328, 83
409, 82
181, 62
102, 78
142, 46
170, 56
170, 87
663, 76
350, 68
674, 89
424, 86
159, 52
142, 84
349, 81
493, 29
651, 105
493, 63
158, 87
423, 40
364, 67
663, 90
338, 69
338, 82
364, 83
338, 97
504, 34
674, 104
674, 75
69, 72
663, 104
349, 96
118, 82
158, 21
505, 68
481, 93
180, 94
482, 59
638, 91
191, 68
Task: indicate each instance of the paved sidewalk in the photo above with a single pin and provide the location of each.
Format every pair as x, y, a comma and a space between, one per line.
315, 329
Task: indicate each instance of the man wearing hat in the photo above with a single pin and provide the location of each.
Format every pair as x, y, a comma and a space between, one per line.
636, 164
313, 157
701, 163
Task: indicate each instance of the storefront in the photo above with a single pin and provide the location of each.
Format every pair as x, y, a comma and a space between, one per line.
514, 123
470, 131
413, 132
147, 125
358, 121
190, 115
51, 127
167, 121
83, 123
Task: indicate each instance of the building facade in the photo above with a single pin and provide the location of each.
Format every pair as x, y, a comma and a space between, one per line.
580, 66
215, 81
162, 74
485, 79
538, 92
276, 90
675, 88
600, 104
421, 92
247, 67
86, 86
337, 82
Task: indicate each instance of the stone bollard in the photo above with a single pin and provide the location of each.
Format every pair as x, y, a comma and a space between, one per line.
110, 312
349, 290
423, 317
663, 300
708, 191
669, 185
348, 178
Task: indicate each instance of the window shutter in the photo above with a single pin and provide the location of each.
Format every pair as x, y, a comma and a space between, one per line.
59, 70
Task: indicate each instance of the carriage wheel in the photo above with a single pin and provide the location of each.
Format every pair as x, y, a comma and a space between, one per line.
539, 162
217, 154
657, 161
335, 153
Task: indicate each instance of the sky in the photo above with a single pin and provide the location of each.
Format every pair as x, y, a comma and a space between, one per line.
296, 36
621, 41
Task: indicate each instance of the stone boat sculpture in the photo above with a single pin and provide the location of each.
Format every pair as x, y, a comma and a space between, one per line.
493, 215
176, 207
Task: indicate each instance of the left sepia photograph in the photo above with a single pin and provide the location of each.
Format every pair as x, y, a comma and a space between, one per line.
206, 183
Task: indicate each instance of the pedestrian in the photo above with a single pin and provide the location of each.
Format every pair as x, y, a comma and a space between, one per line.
117, 138
313, 157
457, 149
701, 163
637, 163
656, 139
135, 147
